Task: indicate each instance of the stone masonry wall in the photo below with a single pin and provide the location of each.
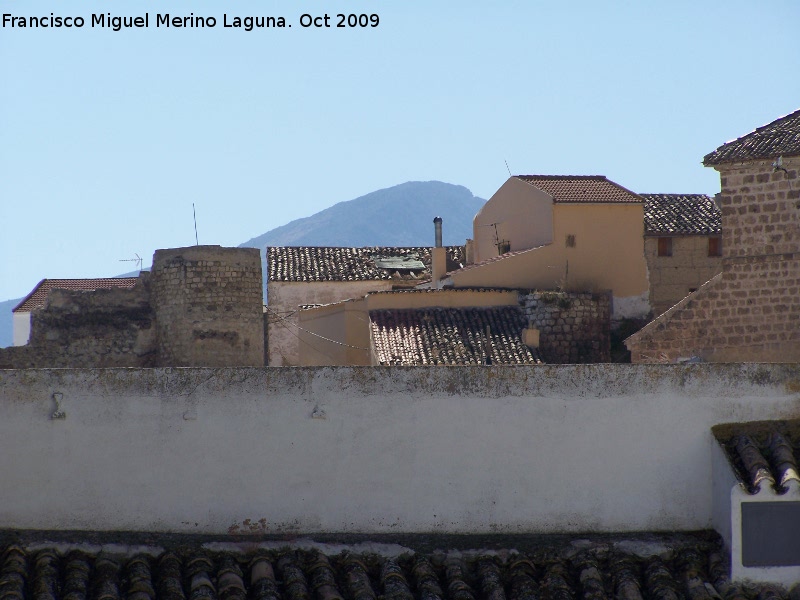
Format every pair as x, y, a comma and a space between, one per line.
672, 277
208, 303
101, 328
574, 327
751, 311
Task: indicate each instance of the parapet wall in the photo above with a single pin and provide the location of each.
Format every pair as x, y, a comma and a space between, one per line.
533, 449
209, 307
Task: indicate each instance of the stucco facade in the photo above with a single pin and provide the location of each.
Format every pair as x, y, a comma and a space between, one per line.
595, 247
285, 338
518, 215
531, 449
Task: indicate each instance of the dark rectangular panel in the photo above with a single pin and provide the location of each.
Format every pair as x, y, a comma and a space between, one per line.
770, 534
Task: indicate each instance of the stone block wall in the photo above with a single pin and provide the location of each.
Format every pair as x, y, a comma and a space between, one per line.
101, 328
751, 311
209, 307
200, 306
574, 327
672, 278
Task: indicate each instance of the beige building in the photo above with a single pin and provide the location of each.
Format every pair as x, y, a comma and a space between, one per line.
575, 233
682, 245
751, 310
300, 276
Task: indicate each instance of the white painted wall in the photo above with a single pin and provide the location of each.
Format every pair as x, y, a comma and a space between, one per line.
573, 448
21, 324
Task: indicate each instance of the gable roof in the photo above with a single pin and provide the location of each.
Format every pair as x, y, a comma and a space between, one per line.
581, 189
682, 214
450, 336
779, 138
332, 263
38, 295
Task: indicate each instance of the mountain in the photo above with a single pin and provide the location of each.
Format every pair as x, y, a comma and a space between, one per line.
397, 216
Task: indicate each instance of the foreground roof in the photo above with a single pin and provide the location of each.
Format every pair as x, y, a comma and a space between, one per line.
450, 336
582, 188
762, 452
598, 572
779, 138
332, 263
681, 214
39, 294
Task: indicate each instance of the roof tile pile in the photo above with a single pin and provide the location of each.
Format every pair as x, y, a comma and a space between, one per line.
763, 453
39, 294
451, 336
779, 138
330, 263
681, 214
581, 188
597, 574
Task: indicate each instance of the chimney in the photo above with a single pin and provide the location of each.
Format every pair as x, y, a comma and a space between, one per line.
438, 255
437, 226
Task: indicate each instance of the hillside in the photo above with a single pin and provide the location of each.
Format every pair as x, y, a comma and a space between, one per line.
397, 216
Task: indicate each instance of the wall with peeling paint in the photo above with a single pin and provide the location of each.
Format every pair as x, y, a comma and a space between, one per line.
369, 449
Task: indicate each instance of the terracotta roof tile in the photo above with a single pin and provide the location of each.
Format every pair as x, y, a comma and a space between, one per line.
690, 570
779, 138
764, 452
39, 294
330, 263
681, 214
450, 336
581, 188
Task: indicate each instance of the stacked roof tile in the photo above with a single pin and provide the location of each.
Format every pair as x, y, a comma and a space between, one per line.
581, 188
779, 138
693, 572
38, 296
329, 263
762, 453
681, 214
451, 336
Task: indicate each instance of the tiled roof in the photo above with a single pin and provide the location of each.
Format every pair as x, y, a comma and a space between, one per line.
581, 188
779, 138
681, 214
692, 572
763, 452
450, 336
329, 263
39, 294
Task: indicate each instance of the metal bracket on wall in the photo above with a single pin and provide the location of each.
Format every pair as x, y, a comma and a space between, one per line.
58, 413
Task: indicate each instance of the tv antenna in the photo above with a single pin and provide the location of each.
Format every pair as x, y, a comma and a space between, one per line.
137, 260
194, 214
507, 169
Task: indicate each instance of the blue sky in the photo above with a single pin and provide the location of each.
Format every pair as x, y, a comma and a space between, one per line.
109, 137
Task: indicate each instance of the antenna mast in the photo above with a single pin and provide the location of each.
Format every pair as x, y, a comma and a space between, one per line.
194, 214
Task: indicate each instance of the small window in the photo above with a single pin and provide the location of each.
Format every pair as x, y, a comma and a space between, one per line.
665, 246
715, 246
570, 242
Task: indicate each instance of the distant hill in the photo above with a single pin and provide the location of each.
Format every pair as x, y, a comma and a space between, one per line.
397, 216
